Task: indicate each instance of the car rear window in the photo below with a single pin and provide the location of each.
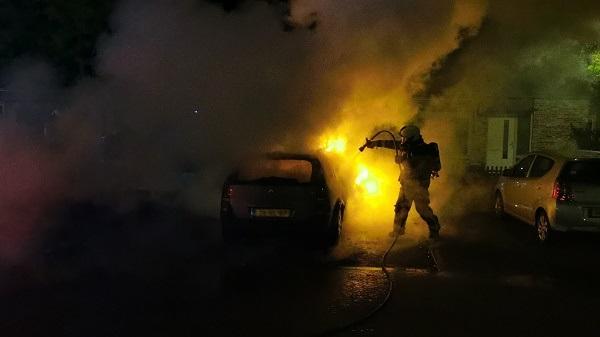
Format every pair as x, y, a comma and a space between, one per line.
541, 166
582, 171
291, 170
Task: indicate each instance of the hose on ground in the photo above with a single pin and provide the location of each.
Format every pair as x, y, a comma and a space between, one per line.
386, 272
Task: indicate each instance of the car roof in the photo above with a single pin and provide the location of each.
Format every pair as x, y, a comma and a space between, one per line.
291, 156
571, 155
314, 160
586, 154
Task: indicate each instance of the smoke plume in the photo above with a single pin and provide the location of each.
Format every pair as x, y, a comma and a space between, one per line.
185, 83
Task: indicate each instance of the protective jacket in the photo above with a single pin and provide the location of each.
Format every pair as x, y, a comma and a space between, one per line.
417, 160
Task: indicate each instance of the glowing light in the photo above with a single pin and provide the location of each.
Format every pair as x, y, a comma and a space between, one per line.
367, 181
372, 187
335, 145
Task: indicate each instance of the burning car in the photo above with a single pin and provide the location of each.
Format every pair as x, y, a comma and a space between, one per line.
282, 192
553, 192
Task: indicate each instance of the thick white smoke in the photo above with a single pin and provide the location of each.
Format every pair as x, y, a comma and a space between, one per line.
187, 81
183, 81
180, 82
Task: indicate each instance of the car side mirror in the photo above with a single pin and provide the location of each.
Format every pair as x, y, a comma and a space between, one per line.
508, 172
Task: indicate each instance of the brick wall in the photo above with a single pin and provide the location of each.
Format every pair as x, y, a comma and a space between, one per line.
552, 120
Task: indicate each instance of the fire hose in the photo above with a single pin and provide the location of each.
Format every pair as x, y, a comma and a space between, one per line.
388, 276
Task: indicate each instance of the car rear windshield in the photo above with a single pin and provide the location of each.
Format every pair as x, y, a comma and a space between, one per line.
582, 171
276, 170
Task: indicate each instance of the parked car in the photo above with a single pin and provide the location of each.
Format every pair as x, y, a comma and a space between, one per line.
282, 192
553, 192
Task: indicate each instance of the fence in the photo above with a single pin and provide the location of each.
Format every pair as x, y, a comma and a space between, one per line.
495, 170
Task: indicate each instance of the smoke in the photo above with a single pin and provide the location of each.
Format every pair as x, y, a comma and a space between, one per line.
30, 183
30, 176
521, 51
384, 54
188, 82
185, 82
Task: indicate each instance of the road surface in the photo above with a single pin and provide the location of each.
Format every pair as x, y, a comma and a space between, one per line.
159, 273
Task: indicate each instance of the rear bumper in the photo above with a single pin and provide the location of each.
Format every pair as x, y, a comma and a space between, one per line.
317, 225
573, 217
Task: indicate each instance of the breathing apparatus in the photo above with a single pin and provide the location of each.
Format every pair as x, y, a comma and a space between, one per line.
409, 134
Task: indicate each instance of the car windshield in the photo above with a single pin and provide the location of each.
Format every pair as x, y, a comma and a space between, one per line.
582, 171
276, 169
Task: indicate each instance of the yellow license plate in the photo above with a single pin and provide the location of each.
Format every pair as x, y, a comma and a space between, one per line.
271, 213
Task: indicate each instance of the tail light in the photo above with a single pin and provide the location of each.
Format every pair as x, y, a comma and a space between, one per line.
227, 192
562, 192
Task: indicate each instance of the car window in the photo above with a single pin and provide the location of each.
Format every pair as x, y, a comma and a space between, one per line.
541, 166
522, 167
584, 171
289, 169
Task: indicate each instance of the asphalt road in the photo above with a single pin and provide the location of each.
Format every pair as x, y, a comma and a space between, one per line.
161, 273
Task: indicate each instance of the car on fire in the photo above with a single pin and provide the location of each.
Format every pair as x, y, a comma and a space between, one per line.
553, 192
279, 193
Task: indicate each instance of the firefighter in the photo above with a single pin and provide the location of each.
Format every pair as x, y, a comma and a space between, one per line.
419, 162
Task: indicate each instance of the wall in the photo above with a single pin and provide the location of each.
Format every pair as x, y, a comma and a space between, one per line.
552, 120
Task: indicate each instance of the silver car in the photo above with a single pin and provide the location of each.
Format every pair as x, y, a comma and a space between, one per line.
282, 192
553, 192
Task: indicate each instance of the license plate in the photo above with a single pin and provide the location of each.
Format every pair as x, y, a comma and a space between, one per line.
595, 212
271, 213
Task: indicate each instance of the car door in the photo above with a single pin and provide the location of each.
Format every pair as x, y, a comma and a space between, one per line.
520, 184
536, 187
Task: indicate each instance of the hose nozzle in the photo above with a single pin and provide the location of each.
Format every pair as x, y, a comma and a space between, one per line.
362, 148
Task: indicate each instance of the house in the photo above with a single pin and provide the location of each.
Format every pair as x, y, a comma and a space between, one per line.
498, 136
523, 125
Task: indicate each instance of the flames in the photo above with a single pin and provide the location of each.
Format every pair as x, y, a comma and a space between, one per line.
369, 178
366, 180
335, 145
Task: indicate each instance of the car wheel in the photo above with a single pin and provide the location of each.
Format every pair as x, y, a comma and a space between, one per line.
499, 205
542, 225
335, 227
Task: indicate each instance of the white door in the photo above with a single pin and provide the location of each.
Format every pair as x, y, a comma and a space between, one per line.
501, 141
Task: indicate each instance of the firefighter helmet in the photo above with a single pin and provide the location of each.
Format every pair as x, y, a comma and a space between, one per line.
410, 133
